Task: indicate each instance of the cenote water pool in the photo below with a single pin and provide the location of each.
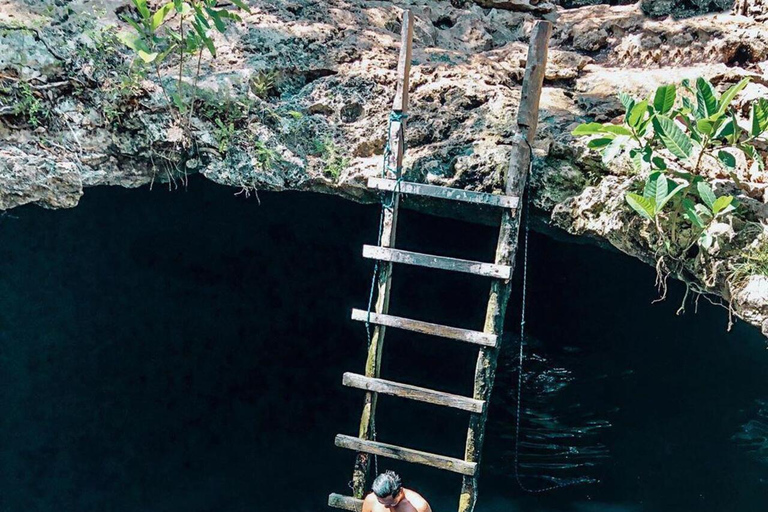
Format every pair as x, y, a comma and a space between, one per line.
183, 351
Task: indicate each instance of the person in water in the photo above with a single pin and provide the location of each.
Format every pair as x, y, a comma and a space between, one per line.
390, 495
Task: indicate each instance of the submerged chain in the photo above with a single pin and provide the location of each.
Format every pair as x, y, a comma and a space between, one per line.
521, 354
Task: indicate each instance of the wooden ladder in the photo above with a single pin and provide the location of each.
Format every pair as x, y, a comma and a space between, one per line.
500, 271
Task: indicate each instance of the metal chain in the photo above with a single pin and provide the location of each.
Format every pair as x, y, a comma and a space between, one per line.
521, 354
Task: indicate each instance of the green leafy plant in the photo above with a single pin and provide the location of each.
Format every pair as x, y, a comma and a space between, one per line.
180, 28
333, 160
223, 134
692, 126
265, 157
264, 84
668, 137
28, 105
753, 262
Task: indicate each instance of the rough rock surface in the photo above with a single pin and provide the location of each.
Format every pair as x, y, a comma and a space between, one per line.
299, 97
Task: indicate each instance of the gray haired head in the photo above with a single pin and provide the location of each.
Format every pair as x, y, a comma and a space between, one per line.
387, 484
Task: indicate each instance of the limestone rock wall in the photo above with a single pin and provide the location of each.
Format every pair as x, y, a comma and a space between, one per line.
299, 96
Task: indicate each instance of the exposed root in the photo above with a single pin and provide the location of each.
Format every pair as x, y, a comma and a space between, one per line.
662, 274
681, 309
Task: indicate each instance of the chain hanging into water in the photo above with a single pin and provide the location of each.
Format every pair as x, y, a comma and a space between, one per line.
521, 354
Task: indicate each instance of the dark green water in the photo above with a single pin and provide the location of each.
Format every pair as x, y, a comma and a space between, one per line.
184, 351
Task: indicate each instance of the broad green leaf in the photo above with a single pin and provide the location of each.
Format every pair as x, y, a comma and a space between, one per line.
599, 143
692, 214
672, 193
705, 126
706, 98
759, 117
703, 210
734, 137
664, 99
616, 129
159, 17
677, 142
179, 4
752, 153
727, 159
636, 157
659, 163
728, 95
721, 204
705, 193
661, 191
598, 128
148, 57
651, 185
133, 41
687, 105
587, 129
643, 128
687, 84
637, 114
595, 128
642, 205
725, 130
241, 5
626, 100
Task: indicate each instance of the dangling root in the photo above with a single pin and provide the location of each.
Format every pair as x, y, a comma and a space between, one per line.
681, 309
662, 274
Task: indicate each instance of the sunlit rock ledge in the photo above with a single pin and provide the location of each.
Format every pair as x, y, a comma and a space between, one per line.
299, 95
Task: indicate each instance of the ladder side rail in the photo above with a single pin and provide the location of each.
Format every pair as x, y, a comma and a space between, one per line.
506, 249
388, 232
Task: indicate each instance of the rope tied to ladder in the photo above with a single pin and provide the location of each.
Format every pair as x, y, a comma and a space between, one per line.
395, 116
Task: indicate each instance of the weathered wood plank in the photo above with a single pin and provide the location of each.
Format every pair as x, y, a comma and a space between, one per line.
388, 387
406, 454
443, 331
440, 262
535, 68
345, 502
454, 194
388, 231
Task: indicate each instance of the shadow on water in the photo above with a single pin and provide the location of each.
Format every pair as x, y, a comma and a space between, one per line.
183, 351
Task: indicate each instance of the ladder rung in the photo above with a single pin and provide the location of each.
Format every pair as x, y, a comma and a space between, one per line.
406, 454
442, 262
455, 194
345, 502
454, 333
388, 387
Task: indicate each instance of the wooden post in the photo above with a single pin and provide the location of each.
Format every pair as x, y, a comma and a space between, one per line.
389, 228
506, 249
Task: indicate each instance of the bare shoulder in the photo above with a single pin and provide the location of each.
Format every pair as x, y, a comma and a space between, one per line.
369, 502
417, 501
